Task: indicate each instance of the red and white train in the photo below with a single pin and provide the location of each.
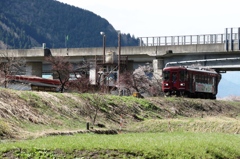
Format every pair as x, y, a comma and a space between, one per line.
191, 82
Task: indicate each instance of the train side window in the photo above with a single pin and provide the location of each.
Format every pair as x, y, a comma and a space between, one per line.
197, 78
190, 76
182, 76
208, 80
166, 75
205, 79
186, 75
211, 80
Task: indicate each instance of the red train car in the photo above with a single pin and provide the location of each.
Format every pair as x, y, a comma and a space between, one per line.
191, 82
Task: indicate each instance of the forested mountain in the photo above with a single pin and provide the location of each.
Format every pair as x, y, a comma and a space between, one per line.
29, 23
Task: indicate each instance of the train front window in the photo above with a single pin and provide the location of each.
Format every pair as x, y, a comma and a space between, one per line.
166, 75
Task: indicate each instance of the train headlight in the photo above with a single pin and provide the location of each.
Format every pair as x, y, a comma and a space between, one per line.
182, 84
165, 84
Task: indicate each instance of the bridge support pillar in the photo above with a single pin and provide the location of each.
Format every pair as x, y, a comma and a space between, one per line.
34, 69
158, 67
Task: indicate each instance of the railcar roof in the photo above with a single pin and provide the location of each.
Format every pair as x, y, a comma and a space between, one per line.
190, 69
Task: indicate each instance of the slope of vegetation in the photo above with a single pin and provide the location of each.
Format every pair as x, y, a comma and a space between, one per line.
25, 114
145, 128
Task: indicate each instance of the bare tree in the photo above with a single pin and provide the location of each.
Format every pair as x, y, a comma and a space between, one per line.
141, 80
62, 69
93, 106
81, 82
11, 65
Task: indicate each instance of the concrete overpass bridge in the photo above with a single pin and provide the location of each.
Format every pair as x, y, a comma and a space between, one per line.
218, 51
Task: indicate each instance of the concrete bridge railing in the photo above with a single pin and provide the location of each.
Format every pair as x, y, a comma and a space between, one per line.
187, 39
182, 40
231, 35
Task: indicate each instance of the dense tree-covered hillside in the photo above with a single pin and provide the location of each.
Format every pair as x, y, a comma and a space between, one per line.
29, 23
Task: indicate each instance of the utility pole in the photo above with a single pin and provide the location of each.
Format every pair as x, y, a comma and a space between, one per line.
104, 45
119, 57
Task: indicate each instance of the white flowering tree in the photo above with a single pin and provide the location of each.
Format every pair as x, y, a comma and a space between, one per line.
141, 80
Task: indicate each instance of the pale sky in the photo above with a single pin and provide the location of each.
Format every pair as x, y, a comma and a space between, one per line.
143, 18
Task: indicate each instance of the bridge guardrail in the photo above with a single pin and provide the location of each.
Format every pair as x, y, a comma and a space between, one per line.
188, 39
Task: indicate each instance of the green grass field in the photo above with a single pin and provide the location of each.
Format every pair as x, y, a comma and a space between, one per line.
131, 145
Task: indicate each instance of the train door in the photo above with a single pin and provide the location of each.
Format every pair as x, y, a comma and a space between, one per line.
174, 80
214, 85
193, 83
190, 82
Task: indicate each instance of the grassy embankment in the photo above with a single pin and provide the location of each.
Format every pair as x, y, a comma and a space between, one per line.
180, 128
